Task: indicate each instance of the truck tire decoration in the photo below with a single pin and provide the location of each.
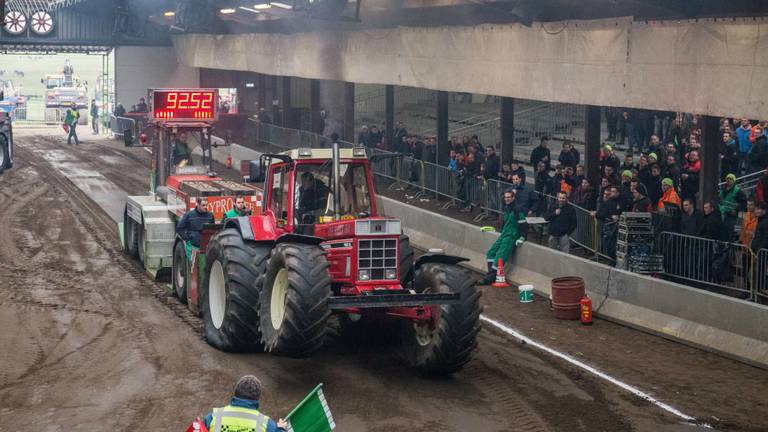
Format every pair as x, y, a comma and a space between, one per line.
41, 23
15, 22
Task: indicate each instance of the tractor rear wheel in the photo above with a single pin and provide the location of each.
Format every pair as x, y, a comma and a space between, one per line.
180, 271
446, 344
295, 290
229, 297
406, 261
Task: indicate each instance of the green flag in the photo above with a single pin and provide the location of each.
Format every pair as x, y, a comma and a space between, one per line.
312, 414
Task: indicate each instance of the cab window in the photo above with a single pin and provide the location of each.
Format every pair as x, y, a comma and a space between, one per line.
278, 201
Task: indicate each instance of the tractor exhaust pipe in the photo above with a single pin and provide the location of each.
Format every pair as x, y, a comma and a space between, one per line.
336, 178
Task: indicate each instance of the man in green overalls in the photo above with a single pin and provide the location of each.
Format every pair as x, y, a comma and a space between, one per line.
511, 236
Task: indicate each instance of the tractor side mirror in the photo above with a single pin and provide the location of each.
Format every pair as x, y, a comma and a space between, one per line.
256, 171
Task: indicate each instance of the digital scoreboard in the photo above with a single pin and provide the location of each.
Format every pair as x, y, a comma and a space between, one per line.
185, 104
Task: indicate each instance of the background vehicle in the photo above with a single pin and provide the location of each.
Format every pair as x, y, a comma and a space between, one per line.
12, 100
315, 245
64, 89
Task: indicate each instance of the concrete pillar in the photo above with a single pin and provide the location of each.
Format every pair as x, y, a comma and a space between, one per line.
507, 129
709, 175
592, 144
443, 149
389, 111
314, 106
349, 112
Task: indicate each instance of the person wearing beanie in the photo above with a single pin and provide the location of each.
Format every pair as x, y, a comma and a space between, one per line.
732, 201
242, 413
669, 196
609, 160
640, 201
625, 191
653, 158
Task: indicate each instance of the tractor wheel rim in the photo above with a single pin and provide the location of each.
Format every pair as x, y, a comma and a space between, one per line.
279, 298
423, 334
180, 271
217, 297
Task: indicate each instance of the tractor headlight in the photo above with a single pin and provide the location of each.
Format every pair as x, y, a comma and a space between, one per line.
390, 274
364, 275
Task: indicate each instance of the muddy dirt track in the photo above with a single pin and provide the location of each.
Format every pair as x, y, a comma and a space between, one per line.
90, 343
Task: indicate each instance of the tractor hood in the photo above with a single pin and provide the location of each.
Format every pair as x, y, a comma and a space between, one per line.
377, 226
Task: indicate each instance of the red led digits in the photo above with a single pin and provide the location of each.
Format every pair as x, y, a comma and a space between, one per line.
182, 105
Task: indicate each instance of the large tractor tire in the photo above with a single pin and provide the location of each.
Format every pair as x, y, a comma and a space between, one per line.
446, 345
406, 261
5, 156
180, 271
229, 297
130, 236
294, 291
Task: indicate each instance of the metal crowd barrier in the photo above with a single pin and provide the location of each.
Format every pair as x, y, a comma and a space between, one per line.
708, 263
761, 276
118, 126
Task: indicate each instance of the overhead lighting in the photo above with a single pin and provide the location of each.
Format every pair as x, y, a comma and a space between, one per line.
228, 11
249, 9
262, 6
169, 13
281, 5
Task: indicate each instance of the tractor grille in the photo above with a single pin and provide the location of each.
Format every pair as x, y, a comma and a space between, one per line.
377, 256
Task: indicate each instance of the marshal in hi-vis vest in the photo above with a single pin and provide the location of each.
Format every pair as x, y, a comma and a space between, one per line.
237, 419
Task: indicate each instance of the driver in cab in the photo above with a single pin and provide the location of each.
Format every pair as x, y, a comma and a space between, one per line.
182, 155
313, 196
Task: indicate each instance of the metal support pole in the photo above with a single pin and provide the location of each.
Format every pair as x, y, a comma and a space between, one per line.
592, 143
508, 129
285, 97
349, 112
389, 109
709, 175
314, 105
443, 149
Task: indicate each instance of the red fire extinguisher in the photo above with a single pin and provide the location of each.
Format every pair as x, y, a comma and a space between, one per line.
586, 310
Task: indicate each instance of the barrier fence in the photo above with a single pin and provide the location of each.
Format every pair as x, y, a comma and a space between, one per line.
708, 263
729, 268
119, 125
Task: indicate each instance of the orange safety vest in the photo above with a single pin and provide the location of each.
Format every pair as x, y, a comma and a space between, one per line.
748, 228
669, 196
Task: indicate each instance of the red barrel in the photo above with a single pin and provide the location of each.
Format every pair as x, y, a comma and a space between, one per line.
566, 297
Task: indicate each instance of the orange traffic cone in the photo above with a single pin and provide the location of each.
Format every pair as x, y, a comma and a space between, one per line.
501, 280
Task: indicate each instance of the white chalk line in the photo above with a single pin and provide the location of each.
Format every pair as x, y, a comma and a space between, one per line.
634, 390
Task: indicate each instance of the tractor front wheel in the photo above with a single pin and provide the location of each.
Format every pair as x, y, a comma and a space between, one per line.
294, 300
445, 344
229, 296
180, 271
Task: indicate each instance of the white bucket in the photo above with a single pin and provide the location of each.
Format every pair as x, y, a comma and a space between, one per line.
526, 293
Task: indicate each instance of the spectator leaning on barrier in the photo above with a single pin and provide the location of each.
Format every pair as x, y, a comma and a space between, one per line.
732, 201
712, 224
749, 224
584, 195
562, 223
526, 200
492, 163
690, 221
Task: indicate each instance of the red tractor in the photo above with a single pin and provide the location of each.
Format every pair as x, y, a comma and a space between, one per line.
315, 245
